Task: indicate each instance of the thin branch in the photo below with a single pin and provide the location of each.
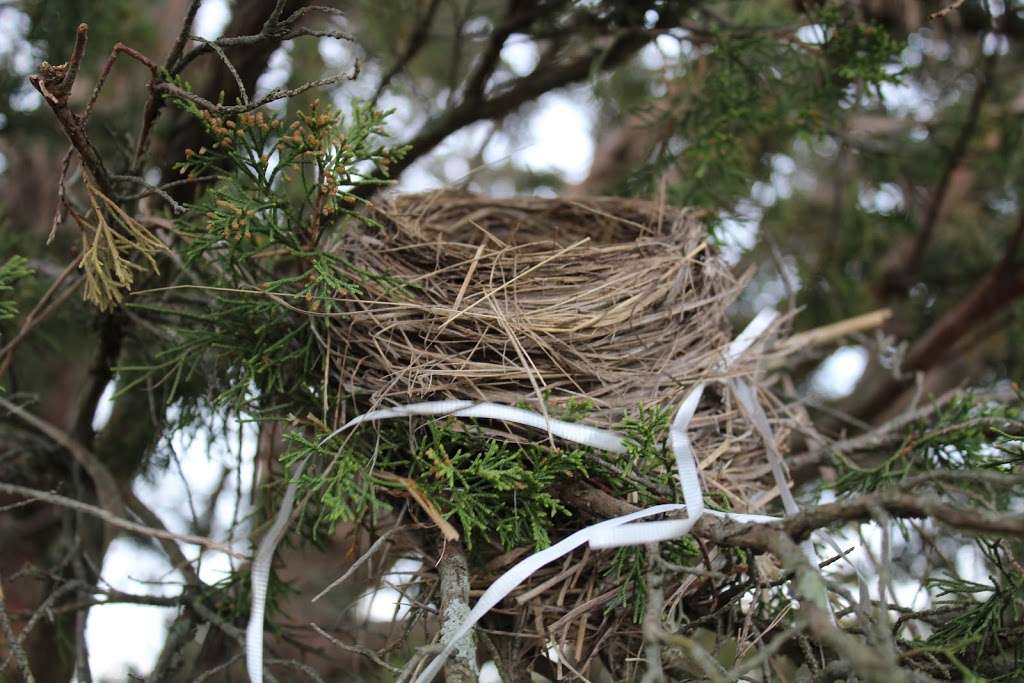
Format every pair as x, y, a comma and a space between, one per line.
273, 30
416, 42
544, 78
518, 16
357, 649
453, 570
898, 279
951, 7
172, 90
863, 508
18, 652
177, 208
40, 312
352, 568
219, 51
891, 433
993, 292
107, 489
810, 591
54, 83
114, 520
170, 548
183, 35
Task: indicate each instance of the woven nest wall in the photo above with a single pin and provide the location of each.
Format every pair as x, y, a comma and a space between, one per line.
618, 302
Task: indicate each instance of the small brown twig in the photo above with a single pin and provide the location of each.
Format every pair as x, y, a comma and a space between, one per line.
172, 90
116, 521
40, 312
107, 489
17, 651
274, 29
54, 83
357, 649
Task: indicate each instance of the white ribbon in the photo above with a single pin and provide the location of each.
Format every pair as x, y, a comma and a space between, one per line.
686, 460
570, 431
259, 573
619, 531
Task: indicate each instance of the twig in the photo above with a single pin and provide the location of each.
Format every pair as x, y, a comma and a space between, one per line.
829, 333
355, 565
766, 652
170, 548
951, 7
454, 574
106, 486
209, 673
447, 530
227, 63
273, 29
810, 590
863, 508
357, 649
180, 632
54, 83
517, 19
183, 35
655, 672
987, 477
40, 312
172, 90
177, 208
897, 279
544, 78
114, 520
416, 42
15, 643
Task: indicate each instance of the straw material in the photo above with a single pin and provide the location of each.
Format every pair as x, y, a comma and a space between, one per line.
542, 302
616, 302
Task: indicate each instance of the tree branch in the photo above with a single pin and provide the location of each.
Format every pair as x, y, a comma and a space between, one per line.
55, 83
107, 489
544, 78
993, 292
897, 278
453, 570
416, 42
115, 520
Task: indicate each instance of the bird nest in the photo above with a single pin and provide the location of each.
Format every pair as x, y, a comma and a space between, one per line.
547, 304
615, 302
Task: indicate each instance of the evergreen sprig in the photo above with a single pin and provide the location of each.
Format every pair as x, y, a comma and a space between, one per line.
13, 269
963, 436
985, 619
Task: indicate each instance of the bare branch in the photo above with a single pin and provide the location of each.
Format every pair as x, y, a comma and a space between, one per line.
183, 34
416, 42
274, 95
54, 85
114, 520
17, 651
898, 278
544, 78
106, 486
454, 573
518, 16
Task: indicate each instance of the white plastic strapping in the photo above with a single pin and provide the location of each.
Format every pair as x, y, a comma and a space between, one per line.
260, 577
624, 530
